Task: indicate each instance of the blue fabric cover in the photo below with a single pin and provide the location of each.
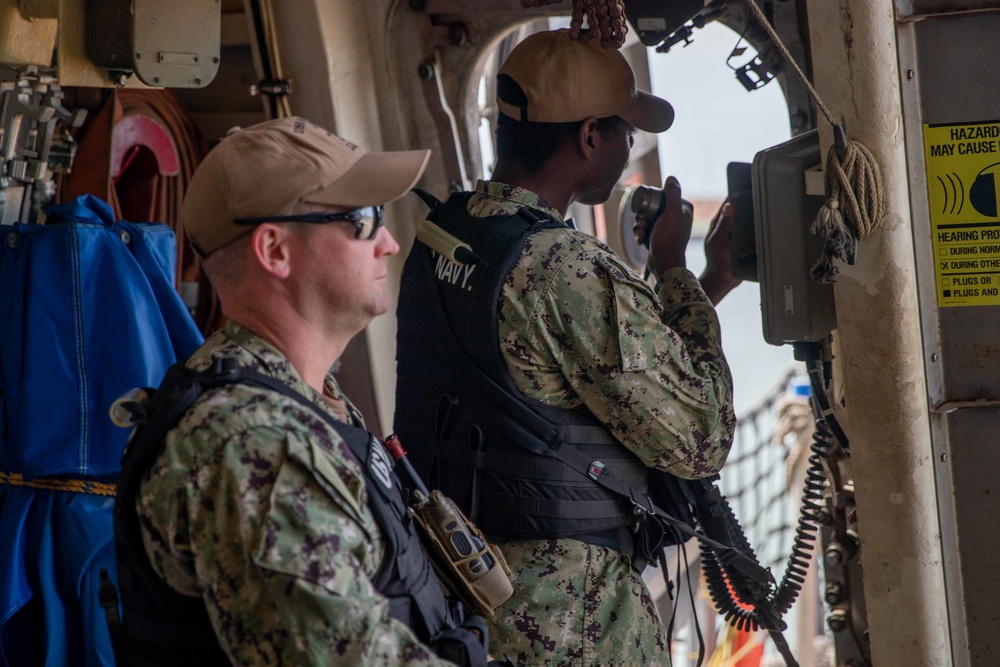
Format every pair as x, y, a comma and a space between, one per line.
87, 311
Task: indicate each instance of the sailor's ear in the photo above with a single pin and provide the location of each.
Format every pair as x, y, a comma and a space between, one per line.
588, 138
270, 243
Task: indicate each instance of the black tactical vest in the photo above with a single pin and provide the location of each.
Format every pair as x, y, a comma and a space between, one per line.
163, 627
468, 429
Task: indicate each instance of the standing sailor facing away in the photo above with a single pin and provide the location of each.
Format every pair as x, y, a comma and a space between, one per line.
543, 360
267, 527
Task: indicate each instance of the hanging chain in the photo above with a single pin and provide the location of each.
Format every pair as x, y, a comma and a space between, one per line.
605, 20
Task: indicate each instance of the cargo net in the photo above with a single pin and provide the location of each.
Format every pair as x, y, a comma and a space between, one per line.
604, 19
760, 479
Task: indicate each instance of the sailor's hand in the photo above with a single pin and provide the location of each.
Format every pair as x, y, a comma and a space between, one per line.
671, 231
719, 278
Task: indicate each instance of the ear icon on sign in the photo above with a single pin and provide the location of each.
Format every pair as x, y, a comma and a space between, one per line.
983, 193
954, 193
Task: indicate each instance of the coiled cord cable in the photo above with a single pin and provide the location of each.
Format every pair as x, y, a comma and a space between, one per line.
738, 598
810, 518
731, 593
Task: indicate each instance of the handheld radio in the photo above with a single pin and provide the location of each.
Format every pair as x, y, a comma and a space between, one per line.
473, 569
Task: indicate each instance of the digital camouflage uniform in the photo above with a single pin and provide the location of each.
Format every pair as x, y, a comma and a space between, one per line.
258, 507
577, 326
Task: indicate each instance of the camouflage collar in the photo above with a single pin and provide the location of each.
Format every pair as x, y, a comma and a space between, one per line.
516, 195
276, 364
273, 361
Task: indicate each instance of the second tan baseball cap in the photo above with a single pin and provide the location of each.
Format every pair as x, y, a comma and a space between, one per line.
562, 80
279, 165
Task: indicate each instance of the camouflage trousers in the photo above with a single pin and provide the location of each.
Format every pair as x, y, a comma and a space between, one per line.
576, 604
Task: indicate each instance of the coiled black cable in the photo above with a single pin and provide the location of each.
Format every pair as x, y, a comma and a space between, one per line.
810, 518
718, 579
730, 590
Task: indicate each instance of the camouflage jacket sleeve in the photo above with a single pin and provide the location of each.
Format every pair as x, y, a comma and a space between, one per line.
275, 536
649, 367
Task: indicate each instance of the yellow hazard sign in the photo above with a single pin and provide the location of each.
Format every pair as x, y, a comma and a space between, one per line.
963, 177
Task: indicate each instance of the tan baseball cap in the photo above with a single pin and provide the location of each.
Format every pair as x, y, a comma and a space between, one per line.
565, 80
272, 168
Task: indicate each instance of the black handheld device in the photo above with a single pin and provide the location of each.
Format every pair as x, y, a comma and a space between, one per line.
743, 235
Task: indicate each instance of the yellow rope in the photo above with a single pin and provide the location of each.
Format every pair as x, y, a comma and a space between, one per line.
68, 485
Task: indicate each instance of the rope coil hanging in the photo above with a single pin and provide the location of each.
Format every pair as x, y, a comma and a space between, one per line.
605, 19
855, 198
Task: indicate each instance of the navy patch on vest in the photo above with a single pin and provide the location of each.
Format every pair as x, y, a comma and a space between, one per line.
466, 280
380, 462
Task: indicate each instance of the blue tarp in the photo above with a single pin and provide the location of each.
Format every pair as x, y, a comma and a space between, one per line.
87, 311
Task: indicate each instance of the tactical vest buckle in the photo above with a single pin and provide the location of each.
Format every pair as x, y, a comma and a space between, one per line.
595, 470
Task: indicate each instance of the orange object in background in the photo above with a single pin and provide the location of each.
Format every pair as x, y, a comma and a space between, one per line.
754, 647
738, 648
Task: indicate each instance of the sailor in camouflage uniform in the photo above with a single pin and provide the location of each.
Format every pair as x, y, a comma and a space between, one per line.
255, 505
579, 330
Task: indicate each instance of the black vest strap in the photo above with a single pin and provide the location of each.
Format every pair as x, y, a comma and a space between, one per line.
541, 470
713, 525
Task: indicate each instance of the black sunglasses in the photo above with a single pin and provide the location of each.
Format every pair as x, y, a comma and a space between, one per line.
367, 221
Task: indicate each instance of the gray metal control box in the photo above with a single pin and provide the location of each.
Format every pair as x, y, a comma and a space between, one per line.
794, 308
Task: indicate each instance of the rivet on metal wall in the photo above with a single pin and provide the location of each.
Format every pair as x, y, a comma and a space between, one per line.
836, 620
425, 70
